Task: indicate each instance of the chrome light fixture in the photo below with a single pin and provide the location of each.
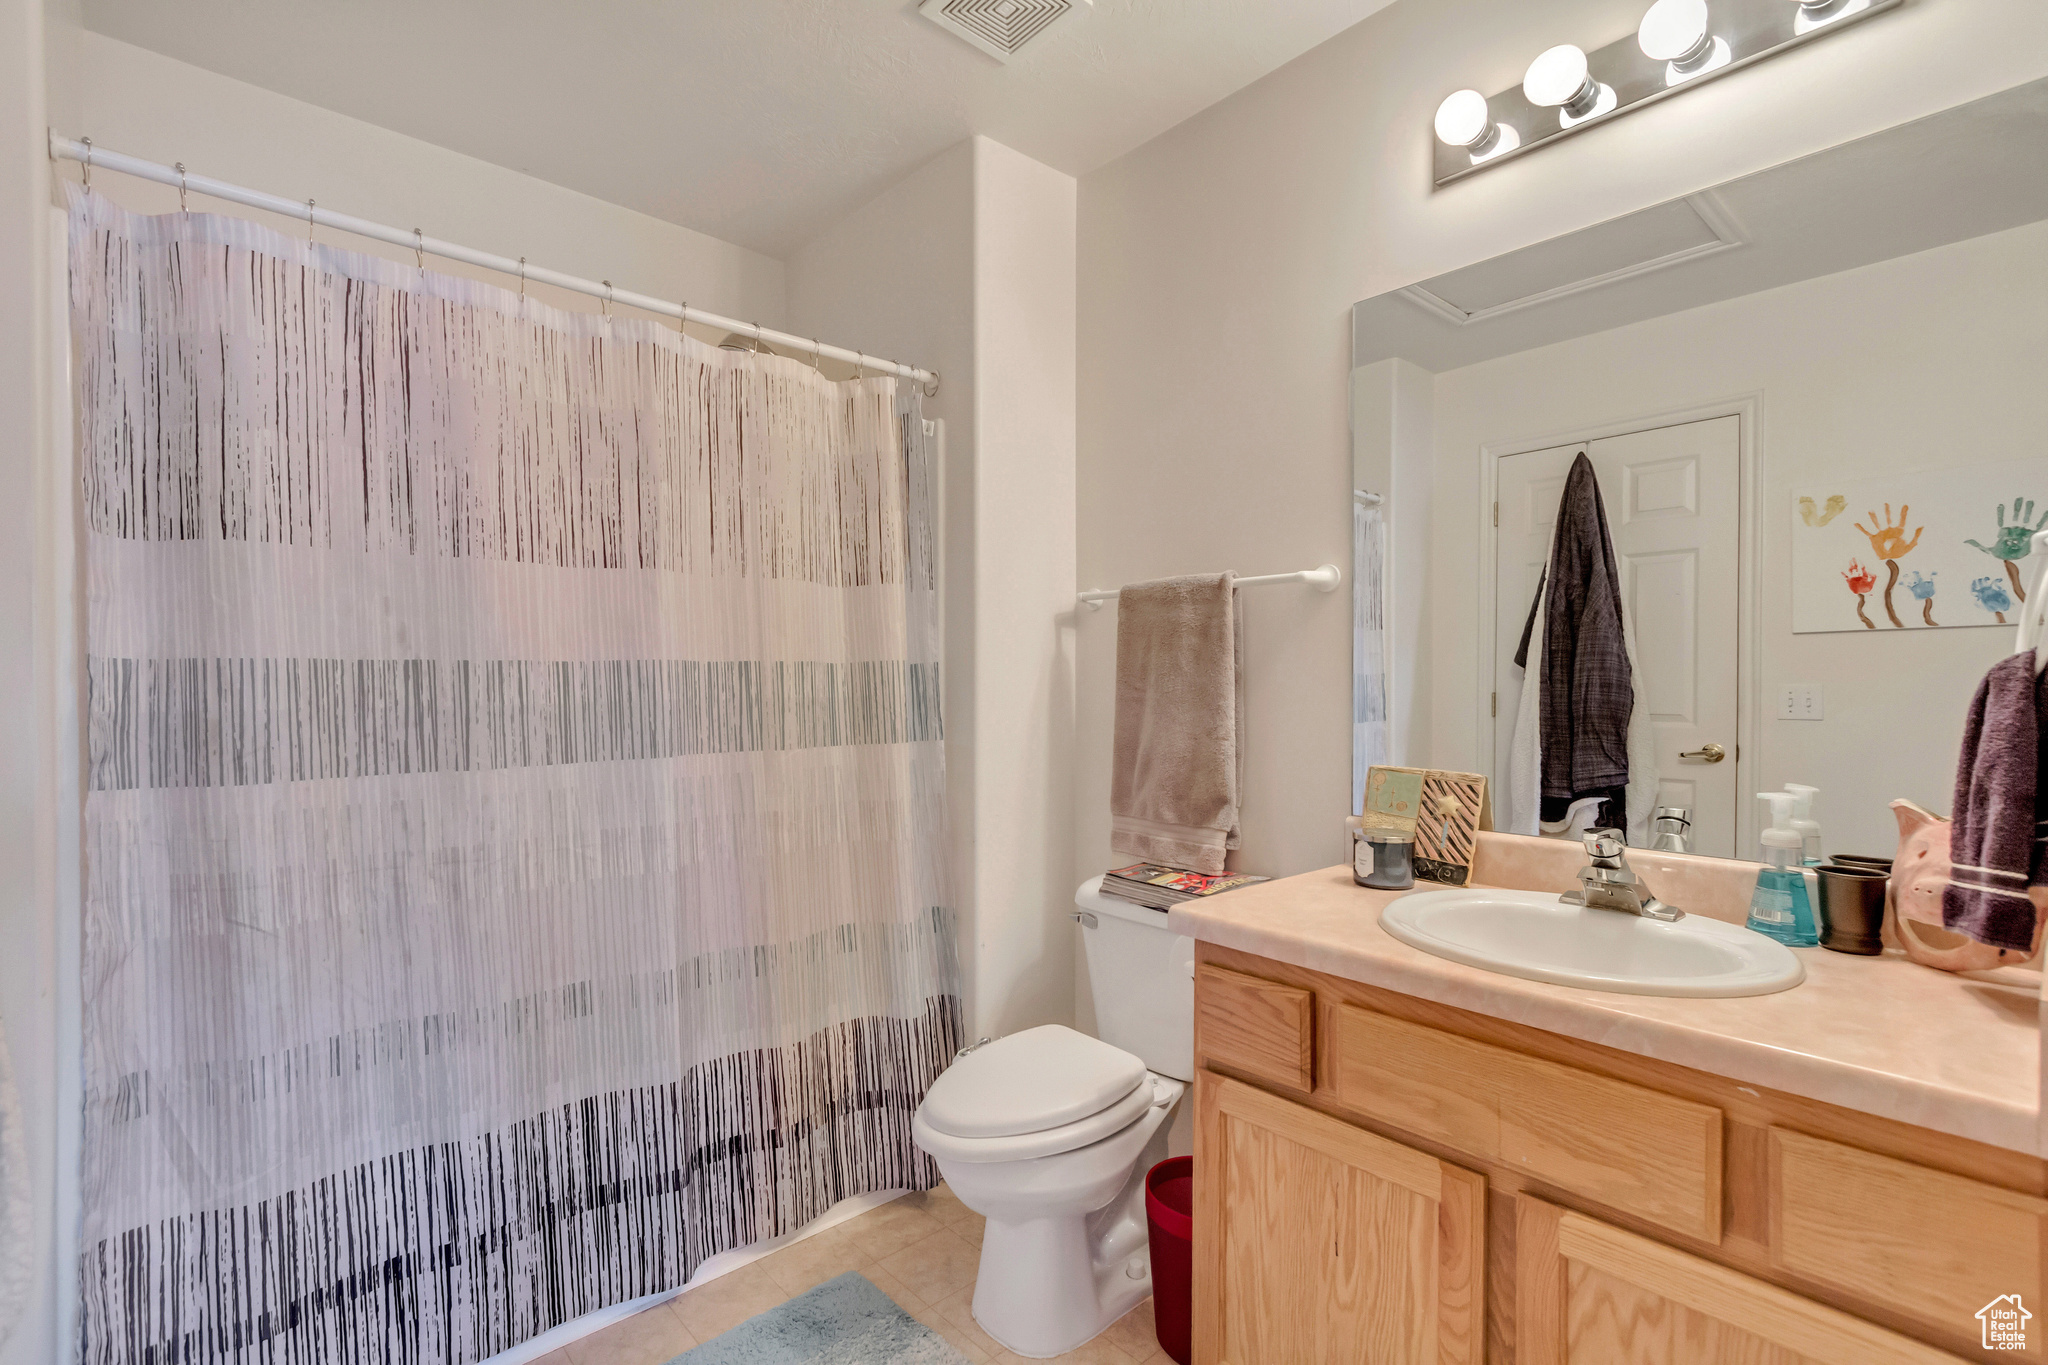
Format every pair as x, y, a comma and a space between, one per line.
1561, 79
1677, 45
1464, 121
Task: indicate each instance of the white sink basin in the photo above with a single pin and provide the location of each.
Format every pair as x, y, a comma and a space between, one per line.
1535, 935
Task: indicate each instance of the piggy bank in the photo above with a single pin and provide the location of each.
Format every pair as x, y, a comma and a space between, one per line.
1920, 874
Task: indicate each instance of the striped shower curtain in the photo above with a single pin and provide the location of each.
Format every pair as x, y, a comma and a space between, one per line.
515, 791
1370, 729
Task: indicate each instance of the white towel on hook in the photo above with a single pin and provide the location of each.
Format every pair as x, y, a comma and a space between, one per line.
2033, 633
1524, 803
1642, 744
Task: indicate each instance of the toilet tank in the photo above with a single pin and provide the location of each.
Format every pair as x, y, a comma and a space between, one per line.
1143, 979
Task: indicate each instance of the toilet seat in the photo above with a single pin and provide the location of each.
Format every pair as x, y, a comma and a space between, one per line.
1066, 1137
1028, 1082
1045, 1090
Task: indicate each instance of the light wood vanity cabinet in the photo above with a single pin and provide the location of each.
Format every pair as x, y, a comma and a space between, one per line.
1256, 1027
1587, 1293
1937, 1246
1629, 1147
1332, 1243
1384, 1179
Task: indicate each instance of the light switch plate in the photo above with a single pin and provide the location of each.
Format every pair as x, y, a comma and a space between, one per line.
1802, 701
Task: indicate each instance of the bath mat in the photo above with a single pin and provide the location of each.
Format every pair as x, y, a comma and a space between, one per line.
846, 1321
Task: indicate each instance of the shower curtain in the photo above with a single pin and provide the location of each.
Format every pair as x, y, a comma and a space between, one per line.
1368, 642
515, 799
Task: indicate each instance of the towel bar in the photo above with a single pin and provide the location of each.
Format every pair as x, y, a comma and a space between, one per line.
1322, 579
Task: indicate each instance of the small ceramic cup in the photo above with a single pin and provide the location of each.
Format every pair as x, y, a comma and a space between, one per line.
1852, 908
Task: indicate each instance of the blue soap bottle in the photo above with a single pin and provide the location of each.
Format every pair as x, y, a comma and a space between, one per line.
1781, 907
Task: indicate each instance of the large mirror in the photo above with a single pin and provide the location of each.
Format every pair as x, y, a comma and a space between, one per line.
1804, 415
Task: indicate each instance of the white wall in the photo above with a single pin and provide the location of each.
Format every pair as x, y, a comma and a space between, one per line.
967, 265
132, 100
1024, 302
1219, 261
1922, 362
29, 983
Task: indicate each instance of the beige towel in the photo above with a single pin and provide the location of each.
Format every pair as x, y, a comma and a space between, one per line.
1173, 786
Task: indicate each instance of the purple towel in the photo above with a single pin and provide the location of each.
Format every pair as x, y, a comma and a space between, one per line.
1999, 820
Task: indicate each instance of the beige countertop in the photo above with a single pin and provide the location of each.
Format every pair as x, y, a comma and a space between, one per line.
1881, 1035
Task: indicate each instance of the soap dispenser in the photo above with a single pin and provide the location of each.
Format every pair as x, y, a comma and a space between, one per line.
1803, 823
1781, 907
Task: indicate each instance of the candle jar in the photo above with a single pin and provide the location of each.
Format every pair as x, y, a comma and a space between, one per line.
1384, 862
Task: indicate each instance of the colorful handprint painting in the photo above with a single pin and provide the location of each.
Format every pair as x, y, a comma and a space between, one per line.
2014, 541
1888, 542
1861, 581
1922, 588
1877, 554
1992, 596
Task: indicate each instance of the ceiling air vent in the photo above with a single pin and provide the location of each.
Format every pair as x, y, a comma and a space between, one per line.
1000, 28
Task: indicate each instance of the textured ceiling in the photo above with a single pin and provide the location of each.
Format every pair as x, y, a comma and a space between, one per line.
758, 121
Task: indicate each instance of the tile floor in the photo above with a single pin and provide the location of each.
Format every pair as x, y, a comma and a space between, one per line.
921, 1249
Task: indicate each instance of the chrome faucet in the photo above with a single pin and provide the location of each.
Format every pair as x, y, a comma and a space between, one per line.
1607, 883
1671, 829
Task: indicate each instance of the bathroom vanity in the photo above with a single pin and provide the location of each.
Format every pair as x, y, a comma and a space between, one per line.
1402, 1158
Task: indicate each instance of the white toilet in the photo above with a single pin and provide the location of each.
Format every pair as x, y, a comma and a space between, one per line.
1048, 1134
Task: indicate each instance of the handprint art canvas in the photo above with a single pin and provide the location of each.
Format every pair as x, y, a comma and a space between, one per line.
1936, 550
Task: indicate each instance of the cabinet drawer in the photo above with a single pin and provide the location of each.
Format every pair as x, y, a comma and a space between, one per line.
1590, 1294
1635, 1150
1259, 1027
1934, 1246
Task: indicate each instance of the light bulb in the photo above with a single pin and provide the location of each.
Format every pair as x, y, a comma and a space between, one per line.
1463, 119
1674, 31
1815, 14
1559, 77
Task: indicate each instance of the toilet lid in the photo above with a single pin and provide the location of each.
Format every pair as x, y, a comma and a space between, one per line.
1042, 1078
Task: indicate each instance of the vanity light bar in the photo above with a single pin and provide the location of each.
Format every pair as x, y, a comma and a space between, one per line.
1680, 44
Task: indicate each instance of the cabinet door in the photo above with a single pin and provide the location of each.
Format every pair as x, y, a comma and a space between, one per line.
1590, 1294
1924, 1244
1318, 1241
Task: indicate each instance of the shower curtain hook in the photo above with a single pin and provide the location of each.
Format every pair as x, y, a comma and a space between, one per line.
682, 319
86, 142
607, 300
759, 347
933, 391
182, 206
860, 366
419, 251
309, 222
522, 283
817, 357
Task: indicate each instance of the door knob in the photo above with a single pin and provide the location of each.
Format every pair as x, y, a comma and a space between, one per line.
1713, 753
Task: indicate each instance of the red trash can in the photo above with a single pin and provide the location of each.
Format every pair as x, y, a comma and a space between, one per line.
1170, 1212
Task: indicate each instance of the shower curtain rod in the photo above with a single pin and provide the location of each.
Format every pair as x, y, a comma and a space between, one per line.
98, 158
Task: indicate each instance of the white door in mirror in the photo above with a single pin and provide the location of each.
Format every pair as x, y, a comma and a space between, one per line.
1532, 934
